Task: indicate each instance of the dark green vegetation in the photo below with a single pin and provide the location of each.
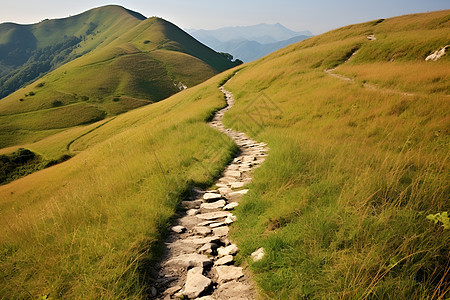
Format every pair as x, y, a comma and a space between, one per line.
24, 162
108, 60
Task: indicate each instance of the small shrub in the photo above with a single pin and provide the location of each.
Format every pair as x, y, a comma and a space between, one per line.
40, 85
53, 162
57, 103
146, 41
21, 99
116, 99
31, 93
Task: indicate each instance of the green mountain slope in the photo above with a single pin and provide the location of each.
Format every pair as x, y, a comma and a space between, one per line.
28, 51
358, 160
126, 66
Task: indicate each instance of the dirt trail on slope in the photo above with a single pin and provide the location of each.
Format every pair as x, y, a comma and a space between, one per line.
199, 258
366, 85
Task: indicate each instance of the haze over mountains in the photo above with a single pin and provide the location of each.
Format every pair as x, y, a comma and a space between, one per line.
249, 43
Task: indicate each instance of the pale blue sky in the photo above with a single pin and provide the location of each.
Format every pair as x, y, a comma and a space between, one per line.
317, 16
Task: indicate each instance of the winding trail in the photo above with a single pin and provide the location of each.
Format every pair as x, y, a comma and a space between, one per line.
199, 257
366, 85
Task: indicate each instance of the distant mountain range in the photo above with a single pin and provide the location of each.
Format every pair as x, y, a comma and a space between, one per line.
249, 42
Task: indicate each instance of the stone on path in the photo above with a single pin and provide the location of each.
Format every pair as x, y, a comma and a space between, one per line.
208, 248
238, 193
236, 185
230, 206
189, 260
213, 215
234, 290
205, 223
228, 273
213, 205
217, 224
192, 212
229, 250
196, 283
221, 231
225, 190
202, 230
230, 219
211, 196
197, 240
258, 254
232, 174
224, 260
178, 229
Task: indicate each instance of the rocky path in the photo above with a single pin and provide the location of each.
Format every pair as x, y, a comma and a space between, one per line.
199, 261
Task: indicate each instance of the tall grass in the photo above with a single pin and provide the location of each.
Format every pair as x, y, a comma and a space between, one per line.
90, 227
340, 204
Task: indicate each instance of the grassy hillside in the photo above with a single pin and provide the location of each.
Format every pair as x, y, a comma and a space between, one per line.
355, 166
139, 64
340, 205
87, 228
29, 51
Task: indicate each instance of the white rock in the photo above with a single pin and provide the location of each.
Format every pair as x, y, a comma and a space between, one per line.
238, 193
196, 283
202, 230
230, 206
221, 231
218, 224
228, 273
213, 205
205, 223
189, 260
230, 219
236, 185
229, 250
225, 190
196, 240
437, 54
208, 248
211, 196
258, 254
232, 174
178, 229
192, 212
224, 260
213, 215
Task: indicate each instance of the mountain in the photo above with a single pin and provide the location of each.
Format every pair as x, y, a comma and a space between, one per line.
351, 201
106, 61
28, 51
249, 43
246, 50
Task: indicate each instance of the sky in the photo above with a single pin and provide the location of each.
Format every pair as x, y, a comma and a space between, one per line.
318, 16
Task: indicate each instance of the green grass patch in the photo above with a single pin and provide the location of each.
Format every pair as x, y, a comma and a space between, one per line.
341, 203
93, 223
